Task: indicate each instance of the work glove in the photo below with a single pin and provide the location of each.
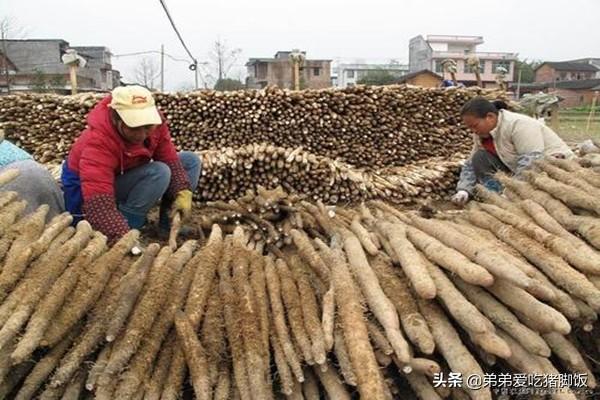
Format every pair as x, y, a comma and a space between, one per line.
182, 203
461, 197
137, 250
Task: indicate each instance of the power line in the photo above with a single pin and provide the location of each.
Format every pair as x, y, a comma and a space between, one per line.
139, 53
164, 6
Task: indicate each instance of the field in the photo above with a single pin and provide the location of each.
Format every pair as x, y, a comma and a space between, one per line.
573, 125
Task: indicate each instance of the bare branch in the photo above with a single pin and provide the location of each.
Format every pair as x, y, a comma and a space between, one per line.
222, 60
146, 72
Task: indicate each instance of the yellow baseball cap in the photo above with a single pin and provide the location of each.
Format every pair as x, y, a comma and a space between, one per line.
135, 105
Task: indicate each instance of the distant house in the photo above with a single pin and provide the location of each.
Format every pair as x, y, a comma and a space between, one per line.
99, 66
592, 61
424, 78
429, 53
574, 92
349, 74
36, 64
565, 71
314, 74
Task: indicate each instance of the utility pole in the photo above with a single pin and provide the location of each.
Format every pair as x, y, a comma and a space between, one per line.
5, 61
73, 61
73, 77
297, 59
162, 67
592, 112
518, 94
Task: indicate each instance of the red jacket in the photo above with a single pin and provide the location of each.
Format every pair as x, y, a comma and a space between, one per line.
100, 153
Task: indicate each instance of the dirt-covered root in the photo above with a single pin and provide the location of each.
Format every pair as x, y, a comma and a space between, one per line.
356, 336
57, 296
396, 287
129, 290
333, 384
504, 319
44, 367
232, 322
451, 347
278, 318
90, 286
195, 357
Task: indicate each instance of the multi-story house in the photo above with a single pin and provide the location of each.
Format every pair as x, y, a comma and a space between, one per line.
36, 64
349, 74
592, 61
278, 71
430, 53
550, 71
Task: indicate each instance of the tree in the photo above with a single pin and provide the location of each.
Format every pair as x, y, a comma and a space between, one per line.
42, 83
146, 72
38, 82
186, 87
228, 84
9, 29
222, 59
378, 78
527, 68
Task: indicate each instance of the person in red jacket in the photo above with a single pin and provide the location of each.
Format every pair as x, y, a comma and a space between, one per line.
124, 162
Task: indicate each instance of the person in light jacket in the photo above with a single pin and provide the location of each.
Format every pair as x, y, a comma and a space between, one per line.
502, 141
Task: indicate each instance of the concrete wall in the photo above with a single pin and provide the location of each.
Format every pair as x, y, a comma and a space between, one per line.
98, 66
573, 98
315, 74
320, 80
45, 55
548, 74
424, 80
30, 56
423, 55
419, 55
350, 74
545, 74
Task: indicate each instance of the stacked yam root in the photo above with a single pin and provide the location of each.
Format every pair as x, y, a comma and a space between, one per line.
369, 302
229, 173
233, 173
354, 125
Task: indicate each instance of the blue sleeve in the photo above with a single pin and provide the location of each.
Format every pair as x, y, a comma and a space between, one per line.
525, 160
9, 153
467, 178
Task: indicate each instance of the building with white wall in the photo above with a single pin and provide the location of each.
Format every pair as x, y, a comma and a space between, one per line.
345, 74
429, 53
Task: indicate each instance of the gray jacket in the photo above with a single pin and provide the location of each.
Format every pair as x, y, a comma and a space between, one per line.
519, 140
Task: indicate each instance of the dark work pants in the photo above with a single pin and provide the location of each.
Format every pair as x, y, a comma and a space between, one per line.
485, 165
140, 188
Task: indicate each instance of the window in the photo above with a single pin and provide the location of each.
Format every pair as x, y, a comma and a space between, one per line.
260, 70
470, 70
438, 66
316, 71
500, 64
350, 73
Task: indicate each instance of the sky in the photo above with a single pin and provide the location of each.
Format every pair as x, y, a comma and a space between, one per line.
326, 29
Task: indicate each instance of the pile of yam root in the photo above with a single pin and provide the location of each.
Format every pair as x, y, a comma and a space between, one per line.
288, 298
231, 172
396, 143
366, 127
